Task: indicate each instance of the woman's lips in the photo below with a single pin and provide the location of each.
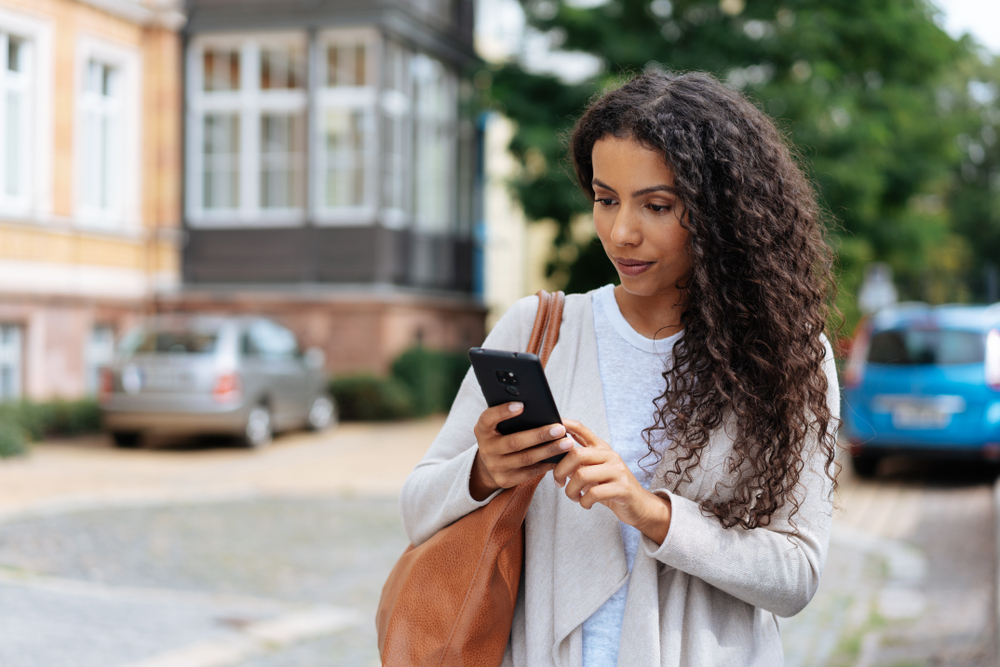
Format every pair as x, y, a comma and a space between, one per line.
632, 267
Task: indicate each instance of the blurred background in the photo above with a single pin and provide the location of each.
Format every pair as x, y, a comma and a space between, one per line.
382, 176
256, 217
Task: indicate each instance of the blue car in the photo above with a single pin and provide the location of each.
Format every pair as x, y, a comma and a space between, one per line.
924, 380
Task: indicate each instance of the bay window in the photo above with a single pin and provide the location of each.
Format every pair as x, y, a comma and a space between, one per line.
247, 139
350, 128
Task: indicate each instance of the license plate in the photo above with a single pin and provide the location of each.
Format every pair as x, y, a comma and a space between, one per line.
165, 379
916, 415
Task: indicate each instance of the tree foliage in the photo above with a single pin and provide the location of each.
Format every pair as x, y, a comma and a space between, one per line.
873, 96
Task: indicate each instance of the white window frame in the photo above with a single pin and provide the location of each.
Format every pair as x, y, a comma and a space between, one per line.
124, 214
12, 356
36, 143
250, 103
348, 98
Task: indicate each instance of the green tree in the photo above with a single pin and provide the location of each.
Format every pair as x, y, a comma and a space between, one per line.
860, 89
973, 198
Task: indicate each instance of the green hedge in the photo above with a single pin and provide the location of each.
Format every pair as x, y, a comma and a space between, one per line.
432, 376
22, 422
371, 398
422, 382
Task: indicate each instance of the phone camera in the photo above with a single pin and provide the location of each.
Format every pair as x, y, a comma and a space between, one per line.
507, 378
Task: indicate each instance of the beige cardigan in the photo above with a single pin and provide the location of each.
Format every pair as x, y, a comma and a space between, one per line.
706, 596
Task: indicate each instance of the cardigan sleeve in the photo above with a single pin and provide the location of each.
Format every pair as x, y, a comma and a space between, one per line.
436, 493
776, 567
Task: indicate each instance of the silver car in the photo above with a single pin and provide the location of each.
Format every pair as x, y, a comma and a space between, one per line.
196, 374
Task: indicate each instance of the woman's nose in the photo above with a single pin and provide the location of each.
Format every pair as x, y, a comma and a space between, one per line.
626, 229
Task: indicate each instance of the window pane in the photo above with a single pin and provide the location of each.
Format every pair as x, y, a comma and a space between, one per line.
282, 68
221, 70
100, 352
395, 162
927, 346
15, 54
345, 157
92, 159
347, 65
10, 362
12, 144
95, 77
434, 143
105, 156
282, 143
108, 76
360, 78
221, 161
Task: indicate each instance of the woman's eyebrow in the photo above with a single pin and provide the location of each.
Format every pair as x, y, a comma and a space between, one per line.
655, 188
597, 183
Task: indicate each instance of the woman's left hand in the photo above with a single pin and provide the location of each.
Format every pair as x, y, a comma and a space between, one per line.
595, 473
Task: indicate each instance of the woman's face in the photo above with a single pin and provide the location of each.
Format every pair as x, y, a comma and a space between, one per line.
638, 217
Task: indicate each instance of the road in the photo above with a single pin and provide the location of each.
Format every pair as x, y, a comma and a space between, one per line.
206, 555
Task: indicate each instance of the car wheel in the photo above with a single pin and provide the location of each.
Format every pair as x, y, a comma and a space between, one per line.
322, 414
864, 465
125, 440
259, 430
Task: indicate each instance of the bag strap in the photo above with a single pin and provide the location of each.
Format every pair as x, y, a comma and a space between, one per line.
545, 332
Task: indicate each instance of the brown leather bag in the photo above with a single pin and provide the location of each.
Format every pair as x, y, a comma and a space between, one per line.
450, 601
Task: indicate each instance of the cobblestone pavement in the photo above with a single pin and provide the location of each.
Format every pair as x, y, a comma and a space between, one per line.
911, 576
211, 556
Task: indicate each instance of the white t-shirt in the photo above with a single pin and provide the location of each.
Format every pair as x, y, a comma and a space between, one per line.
631, 368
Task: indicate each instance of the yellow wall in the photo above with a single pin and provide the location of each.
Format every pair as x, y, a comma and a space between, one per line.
160, 155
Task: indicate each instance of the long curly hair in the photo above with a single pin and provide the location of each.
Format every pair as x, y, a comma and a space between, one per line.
758, 295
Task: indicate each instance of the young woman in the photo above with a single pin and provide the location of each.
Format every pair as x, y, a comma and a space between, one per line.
699, 397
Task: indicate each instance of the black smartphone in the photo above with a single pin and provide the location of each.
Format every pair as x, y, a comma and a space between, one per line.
516, 376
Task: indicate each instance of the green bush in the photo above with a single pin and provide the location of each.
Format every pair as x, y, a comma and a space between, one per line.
432, 376
24, 421
368, 397
12, 440
27, 416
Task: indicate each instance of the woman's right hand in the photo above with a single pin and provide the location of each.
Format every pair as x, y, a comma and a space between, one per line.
504, 461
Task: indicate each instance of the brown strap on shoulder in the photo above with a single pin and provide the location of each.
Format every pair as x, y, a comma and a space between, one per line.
545, 332
552, 325
538, 331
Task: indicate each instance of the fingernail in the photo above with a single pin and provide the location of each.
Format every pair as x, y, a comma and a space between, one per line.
566, 444
515, 407
556, 431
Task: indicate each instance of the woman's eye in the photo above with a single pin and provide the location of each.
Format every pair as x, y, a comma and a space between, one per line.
659, 208
605, 201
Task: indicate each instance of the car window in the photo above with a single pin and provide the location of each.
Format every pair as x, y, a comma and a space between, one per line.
169, 342
268, 340
926, 346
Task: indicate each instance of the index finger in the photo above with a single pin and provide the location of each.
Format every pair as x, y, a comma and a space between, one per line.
582, 434
493, 416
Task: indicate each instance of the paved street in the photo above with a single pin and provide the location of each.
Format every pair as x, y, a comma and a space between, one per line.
203, 555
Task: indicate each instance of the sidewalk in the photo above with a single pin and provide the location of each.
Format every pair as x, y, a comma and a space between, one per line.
83, 472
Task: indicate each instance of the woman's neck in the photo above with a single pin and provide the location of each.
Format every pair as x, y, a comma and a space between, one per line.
654, 317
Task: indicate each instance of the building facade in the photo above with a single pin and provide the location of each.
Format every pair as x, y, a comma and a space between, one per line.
331, 172
90, 183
